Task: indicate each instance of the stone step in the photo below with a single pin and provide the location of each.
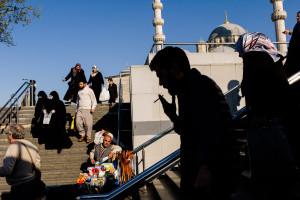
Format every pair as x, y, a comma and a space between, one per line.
174, 175
148, 192
165, 189
28, 108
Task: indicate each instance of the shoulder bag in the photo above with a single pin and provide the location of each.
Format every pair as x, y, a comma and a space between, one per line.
41, 186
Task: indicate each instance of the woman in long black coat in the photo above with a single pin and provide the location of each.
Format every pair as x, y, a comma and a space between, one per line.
56, 137
96, 79
76, 74
37, 122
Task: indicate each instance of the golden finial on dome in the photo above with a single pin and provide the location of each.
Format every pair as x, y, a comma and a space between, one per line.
226, 21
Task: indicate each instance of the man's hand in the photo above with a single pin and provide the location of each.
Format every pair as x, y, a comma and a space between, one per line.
169, 108
110, 154
92, 110
52, 111
63, 80
92, 161
102, 132
203, 180
286, 32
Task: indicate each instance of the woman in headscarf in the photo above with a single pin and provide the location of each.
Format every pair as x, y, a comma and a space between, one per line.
76, 74
37, 121
56, 137
268, 101
96, 81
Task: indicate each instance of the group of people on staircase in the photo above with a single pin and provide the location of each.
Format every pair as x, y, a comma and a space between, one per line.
96, 83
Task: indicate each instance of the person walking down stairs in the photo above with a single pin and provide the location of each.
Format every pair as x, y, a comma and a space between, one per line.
86, 104
18, 163
56, 135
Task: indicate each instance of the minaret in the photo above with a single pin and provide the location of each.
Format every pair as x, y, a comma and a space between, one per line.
278, 17
158, 22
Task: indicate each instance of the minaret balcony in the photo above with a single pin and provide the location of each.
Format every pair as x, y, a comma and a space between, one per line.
278, 15
158, 21
157, 5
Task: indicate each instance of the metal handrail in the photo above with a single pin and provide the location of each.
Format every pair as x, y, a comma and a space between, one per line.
199, 43
138, 178
12, 104
156, 137
13, 96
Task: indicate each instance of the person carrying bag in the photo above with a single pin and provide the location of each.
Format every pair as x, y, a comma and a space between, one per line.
40, 192
104, 95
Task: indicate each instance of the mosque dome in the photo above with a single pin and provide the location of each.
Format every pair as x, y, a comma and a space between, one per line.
226, 30
225, 33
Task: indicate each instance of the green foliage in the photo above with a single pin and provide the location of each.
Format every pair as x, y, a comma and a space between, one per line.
14, 12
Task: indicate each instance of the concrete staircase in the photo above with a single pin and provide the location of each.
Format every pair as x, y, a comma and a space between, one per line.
63, 168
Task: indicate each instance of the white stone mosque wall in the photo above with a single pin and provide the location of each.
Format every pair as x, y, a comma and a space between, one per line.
148, 118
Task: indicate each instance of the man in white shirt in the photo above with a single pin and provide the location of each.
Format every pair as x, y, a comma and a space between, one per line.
86, 104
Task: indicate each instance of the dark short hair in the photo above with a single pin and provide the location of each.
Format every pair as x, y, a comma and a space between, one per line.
165, 57
17, 131
78, 64
110, 79
298, 12
82, 79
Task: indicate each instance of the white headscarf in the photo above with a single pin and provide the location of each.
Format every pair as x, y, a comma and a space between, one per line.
94, 73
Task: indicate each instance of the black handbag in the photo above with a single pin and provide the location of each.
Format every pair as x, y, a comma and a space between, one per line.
41, 186
71, 83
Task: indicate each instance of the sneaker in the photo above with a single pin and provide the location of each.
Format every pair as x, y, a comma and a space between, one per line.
88, 140
81, 139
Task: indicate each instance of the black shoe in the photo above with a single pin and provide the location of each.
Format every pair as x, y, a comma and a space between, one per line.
58, 151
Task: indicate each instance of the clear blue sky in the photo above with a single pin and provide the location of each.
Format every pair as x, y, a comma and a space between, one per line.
112, 33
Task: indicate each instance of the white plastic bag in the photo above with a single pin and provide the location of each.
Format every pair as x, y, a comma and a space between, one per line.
104, 95
47, 118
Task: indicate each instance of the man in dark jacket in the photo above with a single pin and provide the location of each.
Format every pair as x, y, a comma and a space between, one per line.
203, 124
292, 64
113, 92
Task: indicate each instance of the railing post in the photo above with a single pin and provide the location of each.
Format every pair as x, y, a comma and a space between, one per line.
31, 93
17, 110
143, 157
137, 164
120, 107
10, 118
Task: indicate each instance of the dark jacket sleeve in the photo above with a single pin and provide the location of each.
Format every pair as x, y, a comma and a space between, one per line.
115, 90
100, 77
90, 80
69, 75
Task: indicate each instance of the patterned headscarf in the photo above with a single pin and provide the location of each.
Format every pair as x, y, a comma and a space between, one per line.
256, 41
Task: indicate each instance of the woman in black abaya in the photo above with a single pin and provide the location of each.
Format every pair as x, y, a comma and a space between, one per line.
38, 130
96, 79
56, 137
76, 74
